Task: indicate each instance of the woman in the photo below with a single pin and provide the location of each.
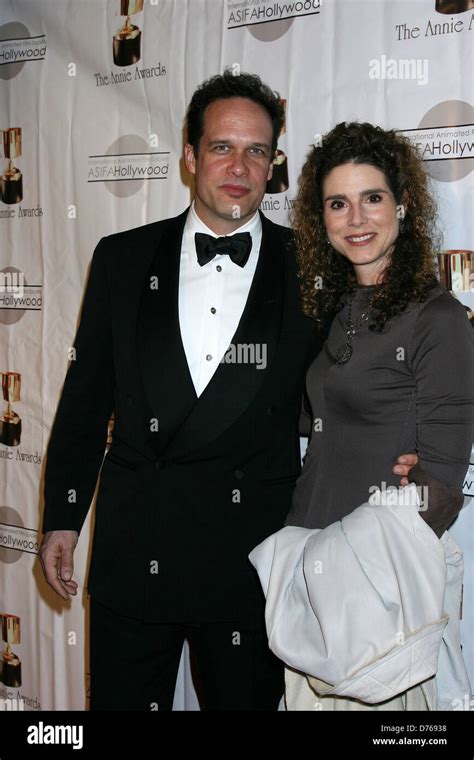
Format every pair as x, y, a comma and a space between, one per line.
396, 372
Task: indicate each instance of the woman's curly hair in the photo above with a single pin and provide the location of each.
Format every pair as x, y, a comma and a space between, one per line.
411, 273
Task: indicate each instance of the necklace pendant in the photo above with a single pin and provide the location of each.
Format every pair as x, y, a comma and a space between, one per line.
344, 353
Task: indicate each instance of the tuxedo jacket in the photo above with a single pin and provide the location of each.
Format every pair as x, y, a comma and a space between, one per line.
189, 484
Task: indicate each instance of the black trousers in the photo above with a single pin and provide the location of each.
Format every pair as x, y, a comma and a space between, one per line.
134, 665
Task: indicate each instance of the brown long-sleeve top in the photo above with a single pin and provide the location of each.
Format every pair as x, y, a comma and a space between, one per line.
409, 388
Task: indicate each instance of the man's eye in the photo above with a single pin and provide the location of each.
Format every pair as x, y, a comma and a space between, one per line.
257, 150
221, 148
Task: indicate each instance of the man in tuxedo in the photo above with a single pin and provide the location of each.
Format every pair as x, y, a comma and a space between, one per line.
192, 334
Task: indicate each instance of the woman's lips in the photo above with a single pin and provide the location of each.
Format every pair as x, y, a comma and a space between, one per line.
359, 240
236, 191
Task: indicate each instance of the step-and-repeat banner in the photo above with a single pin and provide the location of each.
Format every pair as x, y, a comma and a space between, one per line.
92, 99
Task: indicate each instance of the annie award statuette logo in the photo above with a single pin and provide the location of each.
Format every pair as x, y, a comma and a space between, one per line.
278, 182
10, 665
10, 422
12, 180
127, 41
454, 6
456, 270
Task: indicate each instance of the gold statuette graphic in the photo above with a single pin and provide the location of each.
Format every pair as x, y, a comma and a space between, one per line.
127, 41
10, 422
10, 665
454, 6
456, 270
12, 180
279, 179
456, 273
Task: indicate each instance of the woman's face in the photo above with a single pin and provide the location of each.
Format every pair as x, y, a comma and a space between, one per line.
360, 215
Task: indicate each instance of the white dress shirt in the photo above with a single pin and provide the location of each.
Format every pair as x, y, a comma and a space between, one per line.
212, 298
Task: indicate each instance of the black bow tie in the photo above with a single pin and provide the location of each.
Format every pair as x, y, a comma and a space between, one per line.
238, 247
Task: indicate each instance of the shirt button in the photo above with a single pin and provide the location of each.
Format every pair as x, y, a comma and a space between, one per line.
219, 268
213, 310
208, 357
238, 474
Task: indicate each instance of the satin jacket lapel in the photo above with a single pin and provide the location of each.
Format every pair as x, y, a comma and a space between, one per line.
162, 360
234, 385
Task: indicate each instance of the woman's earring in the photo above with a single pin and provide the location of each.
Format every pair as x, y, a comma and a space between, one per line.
401, 217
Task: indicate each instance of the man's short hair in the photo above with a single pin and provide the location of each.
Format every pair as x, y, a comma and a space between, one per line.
228, 85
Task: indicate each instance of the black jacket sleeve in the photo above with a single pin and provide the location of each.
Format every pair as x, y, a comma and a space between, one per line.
79, 434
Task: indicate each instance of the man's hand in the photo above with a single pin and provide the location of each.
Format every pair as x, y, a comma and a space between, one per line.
404, 464
56, 553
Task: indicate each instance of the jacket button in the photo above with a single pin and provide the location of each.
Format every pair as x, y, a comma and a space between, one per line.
160, 464
130, 401
270, 410
238, 474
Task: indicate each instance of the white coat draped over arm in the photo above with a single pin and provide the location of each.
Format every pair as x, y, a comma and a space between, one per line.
360, 606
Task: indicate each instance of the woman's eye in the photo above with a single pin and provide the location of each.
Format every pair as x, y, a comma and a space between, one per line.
337, 204
375, 198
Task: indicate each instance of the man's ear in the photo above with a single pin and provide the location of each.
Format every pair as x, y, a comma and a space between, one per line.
270, 168
189, 158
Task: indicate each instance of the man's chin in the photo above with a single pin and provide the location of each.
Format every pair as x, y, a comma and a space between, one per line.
232, 214
236, 213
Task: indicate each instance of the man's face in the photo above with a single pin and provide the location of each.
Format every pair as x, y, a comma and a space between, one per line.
234, 163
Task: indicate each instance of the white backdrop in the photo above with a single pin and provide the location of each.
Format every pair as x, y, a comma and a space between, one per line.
84, 118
